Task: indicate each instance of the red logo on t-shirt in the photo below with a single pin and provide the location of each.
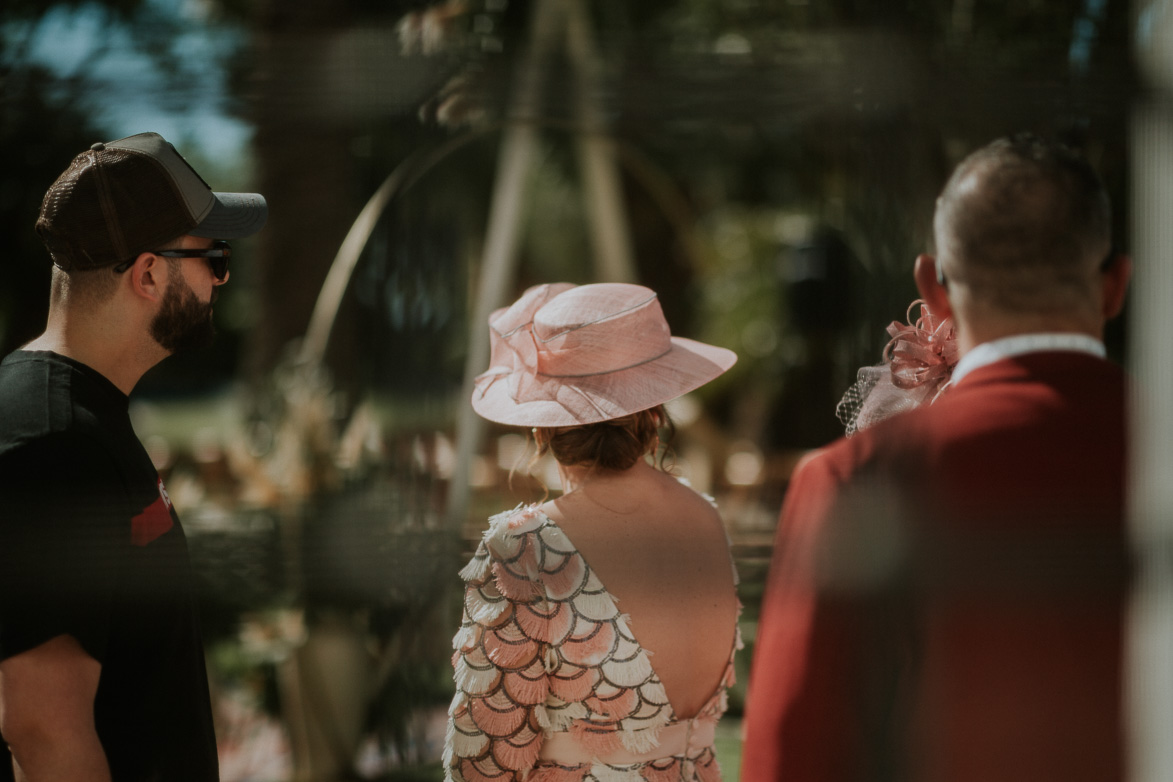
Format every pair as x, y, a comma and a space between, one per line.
154, 520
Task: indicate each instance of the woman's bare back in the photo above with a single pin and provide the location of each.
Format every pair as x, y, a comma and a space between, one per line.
660, 549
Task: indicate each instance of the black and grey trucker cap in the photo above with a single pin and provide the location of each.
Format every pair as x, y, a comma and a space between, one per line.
121, 198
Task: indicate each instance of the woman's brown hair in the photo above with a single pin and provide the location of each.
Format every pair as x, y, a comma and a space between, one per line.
607, 445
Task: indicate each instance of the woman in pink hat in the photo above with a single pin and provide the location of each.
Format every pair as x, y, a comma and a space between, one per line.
553, 682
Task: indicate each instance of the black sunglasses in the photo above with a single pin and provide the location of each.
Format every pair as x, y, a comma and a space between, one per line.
217, 257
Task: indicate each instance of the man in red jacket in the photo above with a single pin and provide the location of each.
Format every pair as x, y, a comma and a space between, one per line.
947, 590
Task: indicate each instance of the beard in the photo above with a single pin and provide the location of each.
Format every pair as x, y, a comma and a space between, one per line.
183, 322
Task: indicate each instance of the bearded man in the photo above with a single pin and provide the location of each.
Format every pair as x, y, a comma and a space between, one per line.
102, 670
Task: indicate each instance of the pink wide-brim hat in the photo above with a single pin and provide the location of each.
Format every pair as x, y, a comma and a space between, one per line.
566, 355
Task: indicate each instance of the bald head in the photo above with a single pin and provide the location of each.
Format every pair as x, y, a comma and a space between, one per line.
1024, 225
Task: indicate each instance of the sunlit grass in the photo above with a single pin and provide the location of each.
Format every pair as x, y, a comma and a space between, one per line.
728, 745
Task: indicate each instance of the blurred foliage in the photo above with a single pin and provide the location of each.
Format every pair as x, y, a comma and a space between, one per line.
846, 112
35, 125
53, 107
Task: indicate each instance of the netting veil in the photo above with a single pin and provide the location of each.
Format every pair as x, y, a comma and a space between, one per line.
917, 365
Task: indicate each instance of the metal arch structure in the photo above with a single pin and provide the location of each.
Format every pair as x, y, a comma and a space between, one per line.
494, 283
321, 325
554, 23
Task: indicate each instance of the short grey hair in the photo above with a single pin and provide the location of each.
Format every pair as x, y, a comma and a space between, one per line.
1024, 224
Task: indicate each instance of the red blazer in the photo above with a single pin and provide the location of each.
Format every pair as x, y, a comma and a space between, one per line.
946, 593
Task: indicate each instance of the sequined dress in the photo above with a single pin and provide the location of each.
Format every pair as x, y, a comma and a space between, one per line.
550, 679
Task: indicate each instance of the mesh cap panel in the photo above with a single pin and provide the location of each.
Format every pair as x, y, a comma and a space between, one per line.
109, 206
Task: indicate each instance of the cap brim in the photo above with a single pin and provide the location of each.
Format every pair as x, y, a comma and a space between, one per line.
233, 216
585, 400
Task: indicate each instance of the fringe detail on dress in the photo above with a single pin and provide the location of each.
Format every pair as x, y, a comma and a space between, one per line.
576, 685
451, 738
503, 545
475, 681
508, 648
545, 621
483, 771
477, 569
526, 561
551, 659
649, 715
465, 639
653, 694
519, 752
618, 706
591, 648
559, 774
604, 773
465, 746
524, 519
513, 586
555, 540
631, 673
595, 606
640, 741
507, 531
485, 609
627, 649
564, 715
529, 687
663, 771
707, 769
563, 576
495, 718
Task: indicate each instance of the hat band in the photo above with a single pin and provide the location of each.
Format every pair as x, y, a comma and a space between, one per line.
609, 371
608, 316
486, 379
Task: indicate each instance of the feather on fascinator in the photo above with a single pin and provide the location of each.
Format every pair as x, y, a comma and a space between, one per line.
917, 365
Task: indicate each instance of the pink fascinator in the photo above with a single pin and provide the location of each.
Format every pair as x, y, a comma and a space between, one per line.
565, 355
917, 365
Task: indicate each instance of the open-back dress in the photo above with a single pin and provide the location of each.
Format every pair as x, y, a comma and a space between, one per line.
551, 684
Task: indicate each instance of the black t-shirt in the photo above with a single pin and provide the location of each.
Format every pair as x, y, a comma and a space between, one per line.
90, 547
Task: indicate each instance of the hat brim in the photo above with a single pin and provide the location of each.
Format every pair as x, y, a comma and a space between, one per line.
233, 216
576, 401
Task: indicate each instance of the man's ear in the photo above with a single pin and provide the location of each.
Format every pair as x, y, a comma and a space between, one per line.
1114, 285
148, 278
932, 286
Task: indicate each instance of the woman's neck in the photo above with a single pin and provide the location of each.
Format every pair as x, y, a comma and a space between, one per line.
578, 476
575, 476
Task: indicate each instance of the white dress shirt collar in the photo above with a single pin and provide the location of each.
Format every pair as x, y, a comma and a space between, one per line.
989, 352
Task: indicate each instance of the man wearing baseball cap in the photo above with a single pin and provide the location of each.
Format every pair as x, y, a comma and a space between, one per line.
101, 664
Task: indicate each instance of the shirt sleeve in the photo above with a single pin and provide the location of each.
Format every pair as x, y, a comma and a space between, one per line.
832, 641
63, 533
497, 716
797, 714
